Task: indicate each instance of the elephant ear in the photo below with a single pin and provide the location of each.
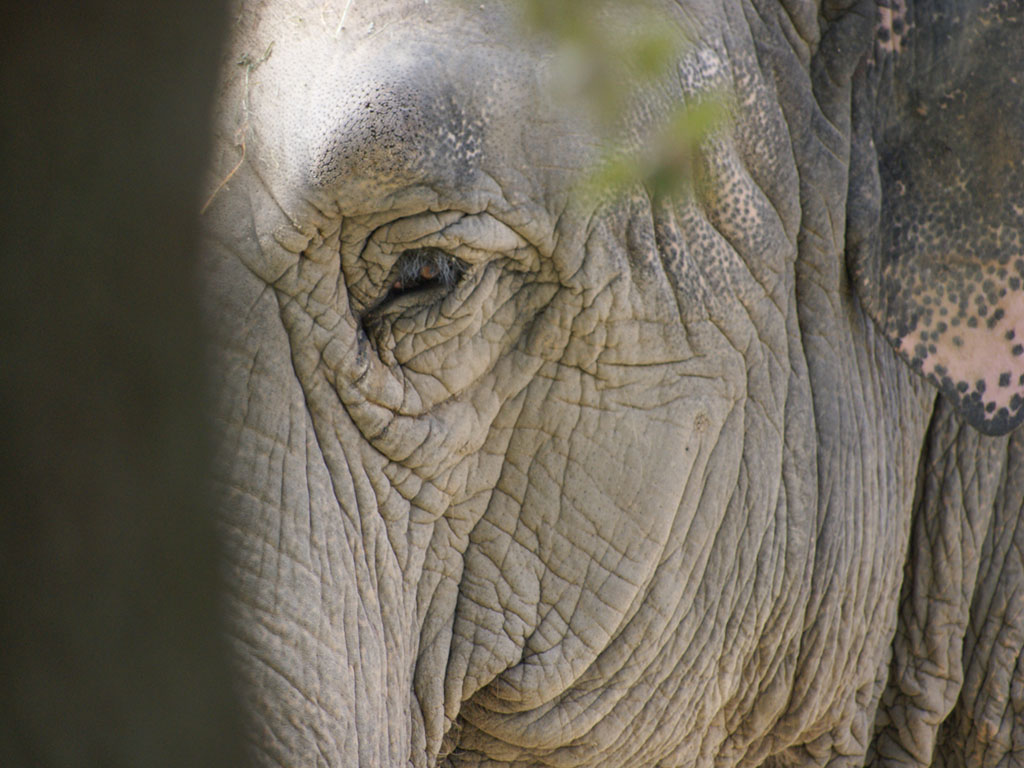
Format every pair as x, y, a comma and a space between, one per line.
942, 271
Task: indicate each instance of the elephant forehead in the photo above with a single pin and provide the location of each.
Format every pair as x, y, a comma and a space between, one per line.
347, 117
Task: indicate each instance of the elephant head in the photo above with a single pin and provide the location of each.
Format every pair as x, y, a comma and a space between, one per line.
516, 475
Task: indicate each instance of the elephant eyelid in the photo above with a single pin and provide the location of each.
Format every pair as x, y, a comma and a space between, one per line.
417, 260
469, 238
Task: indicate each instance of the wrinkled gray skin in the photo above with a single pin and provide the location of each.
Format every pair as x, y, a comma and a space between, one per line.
653, 483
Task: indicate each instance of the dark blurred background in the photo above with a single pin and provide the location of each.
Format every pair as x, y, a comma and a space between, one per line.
110, 644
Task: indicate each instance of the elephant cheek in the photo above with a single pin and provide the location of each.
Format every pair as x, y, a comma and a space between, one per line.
319, 662
549, 585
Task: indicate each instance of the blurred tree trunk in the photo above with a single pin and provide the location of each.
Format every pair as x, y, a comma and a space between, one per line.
111, 652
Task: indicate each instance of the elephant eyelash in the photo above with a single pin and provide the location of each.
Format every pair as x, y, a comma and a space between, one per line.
420, 269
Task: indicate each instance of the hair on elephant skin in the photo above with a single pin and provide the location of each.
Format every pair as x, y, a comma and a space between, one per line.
511, 472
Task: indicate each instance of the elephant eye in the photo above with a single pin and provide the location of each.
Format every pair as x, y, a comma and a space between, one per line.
421, 269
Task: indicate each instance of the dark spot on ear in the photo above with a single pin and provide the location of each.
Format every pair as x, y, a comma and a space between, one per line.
972, 322
1004, 379
941, 370
1018, 350
980, 386
1010, 334
883, 35
962, 386
990, 408
957, 341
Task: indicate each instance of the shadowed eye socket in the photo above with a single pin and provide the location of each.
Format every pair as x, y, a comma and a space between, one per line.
429, 258
421, 269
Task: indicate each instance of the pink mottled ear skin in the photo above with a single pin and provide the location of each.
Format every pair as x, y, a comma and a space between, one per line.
975, 357
939, 261
891, 26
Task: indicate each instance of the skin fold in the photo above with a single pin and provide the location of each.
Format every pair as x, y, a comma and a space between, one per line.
514, 475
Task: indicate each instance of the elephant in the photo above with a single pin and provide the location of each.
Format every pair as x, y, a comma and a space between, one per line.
510, 473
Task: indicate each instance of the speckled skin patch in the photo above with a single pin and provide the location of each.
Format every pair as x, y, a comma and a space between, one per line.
892, 25
947, 281
968, 339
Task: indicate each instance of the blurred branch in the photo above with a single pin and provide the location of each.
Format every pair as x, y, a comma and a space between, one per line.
606, 57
